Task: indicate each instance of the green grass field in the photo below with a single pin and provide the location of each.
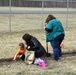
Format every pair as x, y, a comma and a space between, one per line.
31, 23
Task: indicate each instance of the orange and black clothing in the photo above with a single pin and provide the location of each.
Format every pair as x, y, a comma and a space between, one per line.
21, 52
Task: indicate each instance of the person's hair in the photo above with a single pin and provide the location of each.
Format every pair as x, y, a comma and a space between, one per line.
27, 37
50, 17
21, 44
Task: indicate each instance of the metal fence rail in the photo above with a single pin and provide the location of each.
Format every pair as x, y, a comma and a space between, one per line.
35, 12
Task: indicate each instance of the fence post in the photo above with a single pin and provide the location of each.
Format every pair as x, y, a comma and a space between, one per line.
67, 13
9, 15
42, 13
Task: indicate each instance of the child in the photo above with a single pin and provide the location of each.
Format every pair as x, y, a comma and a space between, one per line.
20, 53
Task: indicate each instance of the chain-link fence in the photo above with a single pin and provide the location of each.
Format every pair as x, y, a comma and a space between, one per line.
32, 13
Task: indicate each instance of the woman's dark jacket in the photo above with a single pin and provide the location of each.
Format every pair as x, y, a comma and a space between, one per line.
36, 46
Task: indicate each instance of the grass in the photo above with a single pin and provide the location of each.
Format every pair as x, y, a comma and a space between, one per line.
20, 22
31, 23
9, 45
36, 8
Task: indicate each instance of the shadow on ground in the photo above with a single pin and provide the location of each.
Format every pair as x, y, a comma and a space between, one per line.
10, 60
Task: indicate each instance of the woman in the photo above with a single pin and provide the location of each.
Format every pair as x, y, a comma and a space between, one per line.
34, 45
54, 34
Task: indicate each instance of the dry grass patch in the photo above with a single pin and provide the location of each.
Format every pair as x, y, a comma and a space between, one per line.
9, 45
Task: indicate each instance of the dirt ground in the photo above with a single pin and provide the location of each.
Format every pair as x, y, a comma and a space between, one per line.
9, 45
7, 61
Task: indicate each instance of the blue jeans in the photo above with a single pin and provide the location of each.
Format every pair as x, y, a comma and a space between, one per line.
56, 46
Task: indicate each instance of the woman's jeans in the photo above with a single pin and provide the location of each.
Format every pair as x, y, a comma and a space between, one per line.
56, 46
